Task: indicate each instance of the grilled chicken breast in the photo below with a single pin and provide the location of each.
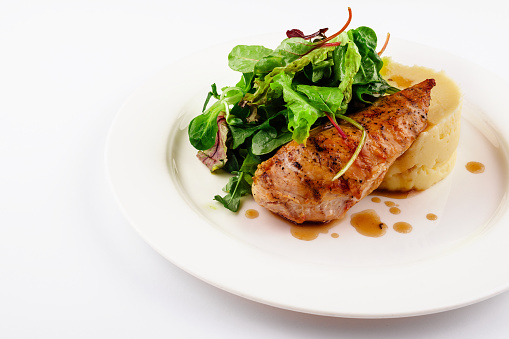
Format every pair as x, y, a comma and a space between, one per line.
296, 182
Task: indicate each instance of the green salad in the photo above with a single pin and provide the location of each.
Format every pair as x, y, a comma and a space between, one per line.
282, 94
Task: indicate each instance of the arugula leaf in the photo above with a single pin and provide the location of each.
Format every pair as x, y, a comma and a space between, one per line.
239, 185
249, 165
236, 188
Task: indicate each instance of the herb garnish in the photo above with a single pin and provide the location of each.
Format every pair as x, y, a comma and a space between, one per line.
283, 94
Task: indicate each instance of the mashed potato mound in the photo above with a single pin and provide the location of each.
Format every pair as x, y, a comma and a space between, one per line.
433, 154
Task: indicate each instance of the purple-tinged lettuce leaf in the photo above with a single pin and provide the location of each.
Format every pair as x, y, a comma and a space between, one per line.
215, 157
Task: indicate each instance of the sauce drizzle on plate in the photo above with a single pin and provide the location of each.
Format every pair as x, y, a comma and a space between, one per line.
368, 223
402, 227
475, 167
252, 214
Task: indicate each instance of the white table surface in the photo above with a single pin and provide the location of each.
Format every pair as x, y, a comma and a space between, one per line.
71, 266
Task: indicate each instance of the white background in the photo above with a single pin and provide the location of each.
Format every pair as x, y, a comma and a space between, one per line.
70, 264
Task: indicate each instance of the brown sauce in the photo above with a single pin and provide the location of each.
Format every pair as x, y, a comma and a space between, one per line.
368, 223
394, 210
431, 216
395, 194
402, 227
310, 231
475, 167
251, 214
390, 203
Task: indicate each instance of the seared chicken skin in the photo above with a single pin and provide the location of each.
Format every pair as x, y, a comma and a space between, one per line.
296, 182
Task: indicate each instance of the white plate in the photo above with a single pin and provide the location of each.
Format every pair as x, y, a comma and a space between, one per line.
454, 261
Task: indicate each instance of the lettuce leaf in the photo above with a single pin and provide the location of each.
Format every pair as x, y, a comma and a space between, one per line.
264, 93
287, 52
302, 114
243, 58
216, 157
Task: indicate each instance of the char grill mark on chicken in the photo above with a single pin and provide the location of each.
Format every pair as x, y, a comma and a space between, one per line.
296, 182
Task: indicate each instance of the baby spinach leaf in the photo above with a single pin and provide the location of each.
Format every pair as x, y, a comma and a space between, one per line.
261, 138
371, 63
327, 99
365, 36
368, 80
265, 142
241, 132
373, 90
